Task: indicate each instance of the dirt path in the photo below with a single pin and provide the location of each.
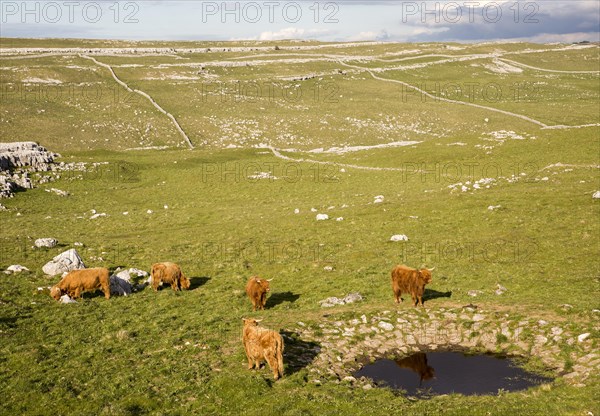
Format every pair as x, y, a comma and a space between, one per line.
142, 93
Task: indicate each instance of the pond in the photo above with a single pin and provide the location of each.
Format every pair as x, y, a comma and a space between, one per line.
435, 373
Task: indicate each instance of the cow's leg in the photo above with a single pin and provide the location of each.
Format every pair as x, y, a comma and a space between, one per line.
414, 299
421, 300
272, 361
398, 295
77, 293
155, 283
106, 290
263, 301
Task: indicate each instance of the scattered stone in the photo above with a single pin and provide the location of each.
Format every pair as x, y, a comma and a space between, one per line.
328, 268
541, 322
353, 297
494, 207
596, 195
58, 192
46, 242
339, 219
149, 211
16, 268
566, 307
64, 262
367, 387
583, 337
333, 301
166, 207
399, 237
349, 378
126, 213
313, 210
78, 244
385, 326
66, 299
500, 289
296, 211
378, 199
93, 217
478, 317
474, 292
322, 217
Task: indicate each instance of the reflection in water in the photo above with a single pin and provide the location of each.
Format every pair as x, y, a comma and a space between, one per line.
418, 363
450, 372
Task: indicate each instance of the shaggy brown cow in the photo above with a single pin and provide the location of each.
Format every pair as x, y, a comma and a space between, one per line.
257, 290
170, 273
418, 363
78, 281
413, 281
262, 344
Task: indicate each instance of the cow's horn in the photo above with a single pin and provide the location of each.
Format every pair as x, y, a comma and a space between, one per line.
258, 320
268, 280
431, 269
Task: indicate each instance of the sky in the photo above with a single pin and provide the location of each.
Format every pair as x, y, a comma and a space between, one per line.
542, 21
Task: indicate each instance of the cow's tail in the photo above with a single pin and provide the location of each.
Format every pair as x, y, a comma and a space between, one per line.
280, 355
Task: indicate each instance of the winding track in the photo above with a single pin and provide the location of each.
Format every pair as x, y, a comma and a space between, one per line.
340, 60
143, 94
497, 110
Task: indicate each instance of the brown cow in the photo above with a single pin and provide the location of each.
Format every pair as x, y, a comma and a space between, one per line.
257, 290
262, 344
170, 273
413, 281
418, 363
78, 281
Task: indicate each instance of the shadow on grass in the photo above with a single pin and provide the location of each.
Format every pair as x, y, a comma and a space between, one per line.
280, 297
297, 354
434, 294
196, 282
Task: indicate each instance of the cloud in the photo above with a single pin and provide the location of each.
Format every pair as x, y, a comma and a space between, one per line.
293, 33
506, 20
382, 35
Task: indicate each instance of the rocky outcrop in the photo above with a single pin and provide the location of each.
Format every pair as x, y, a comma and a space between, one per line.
20, 154
14, 158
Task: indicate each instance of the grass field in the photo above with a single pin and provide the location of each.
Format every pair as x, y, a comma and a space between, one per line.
180, 353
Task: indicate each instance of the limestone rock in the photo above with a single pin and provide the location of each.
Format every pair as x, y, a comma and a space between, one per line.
64, 262
16, 268
385, 326
46, 242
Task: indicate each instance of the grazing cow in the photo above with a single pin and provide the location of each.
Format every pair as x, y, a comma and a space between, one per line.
262, 344
413, 281
418, 363
257, 290
170, 273
83, 280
